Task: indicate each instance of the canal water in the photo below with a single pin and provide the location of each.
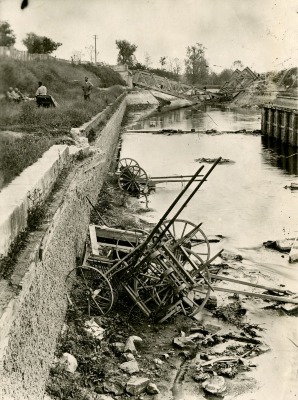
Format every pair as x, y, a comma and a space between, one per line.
245, 201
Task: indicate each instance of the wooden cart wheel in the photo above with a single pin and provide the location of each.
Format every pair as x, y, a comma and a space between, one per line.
126, 162
89, 290
161, 290
134, 180
197, 242
125, 244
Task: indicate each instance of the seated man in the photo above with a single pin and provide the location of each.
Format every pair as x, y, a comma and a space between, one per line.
12, 95
42, 90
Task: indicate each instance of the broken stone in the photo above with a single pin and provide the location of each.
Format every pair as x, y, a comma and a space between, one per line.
165, 355
94, 329
157, 361
130, 367
130, 344
136, 385
128, 356
227, 256
196, 335
263, 348
201, 377
113, 387
152, 388
212, 328
289, 308
69, 362
183, 342
103, 397
118, 347
215, 384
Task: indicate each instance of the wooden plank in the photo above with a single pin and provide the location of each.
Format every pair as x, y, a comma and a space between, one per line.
258, 295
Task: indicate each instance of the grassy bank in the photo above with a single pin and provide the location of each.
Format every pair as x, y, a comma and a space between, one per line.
64, 83
17, 153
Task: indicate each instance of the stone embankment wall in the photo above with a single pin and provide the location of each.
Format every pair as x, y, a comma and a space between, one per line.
33, 303
33, 184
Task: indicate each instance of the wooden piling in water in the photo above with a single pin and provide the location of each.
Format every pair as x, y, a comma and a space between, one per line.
281, 123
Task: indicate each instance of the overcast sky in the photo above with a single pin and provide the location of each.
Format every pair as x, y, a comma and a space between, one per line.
263, 34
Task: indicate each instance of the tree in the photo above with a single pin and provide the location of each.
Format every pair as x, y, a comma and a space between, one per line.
40, 44
175, 66
163, 61
7, 36
147, 60
237, 64
126, 52
196, 64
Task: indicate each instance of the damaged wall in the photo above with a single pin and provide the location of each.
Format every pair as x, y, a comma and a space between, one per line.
33, 304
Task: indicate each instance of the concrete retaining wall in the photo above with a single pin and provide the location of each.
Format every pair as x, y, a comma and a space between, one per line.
34, 183
33, 303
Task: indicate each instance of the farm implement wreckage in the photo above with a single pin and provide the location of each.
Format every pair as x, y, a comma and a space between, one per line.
165, 271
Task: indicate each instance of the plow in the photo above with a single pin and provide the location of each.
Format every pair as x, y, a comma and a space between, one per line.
165, 271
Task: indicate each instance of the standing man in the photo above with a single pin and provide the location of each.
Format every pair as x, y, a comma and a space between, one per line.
87, 86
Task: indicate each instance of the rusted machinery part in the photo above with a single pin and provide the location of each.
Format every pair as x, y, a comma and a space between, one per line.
120, 250
126, 162
89, 290
197, 242
162, 289
134, 180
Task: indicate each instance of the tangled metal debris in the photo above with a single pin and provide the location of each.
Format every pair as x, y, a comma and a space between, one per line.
165, 271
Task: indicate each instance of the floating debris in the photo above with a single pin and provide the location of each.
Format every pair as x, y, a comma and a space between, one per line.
211, 160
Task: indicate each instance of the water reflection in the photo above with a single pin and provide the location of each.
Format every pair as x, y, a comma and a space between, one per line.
280, 155
203, 118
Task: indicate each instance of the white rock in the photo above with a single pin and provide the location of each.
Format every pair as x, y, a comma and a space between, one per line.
152, 388
69, 362
103, 397
94, 329
129, 356
215, 384
130, 367
158, 361
130, 344
136, 385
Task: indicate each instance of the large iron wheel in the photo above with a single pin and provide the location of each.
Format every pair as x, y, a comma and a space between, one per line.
134, 180
196, 242
127, 162
89, 290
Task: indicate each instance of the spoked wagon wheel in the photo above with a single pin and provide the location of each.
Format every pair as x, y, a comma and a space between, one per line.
89, 290
128, 241
197, 242
127, 162
134, 180
162, 289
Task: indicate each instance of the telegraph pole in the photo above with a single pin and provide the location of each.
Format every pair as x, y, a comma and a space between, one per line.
95, 37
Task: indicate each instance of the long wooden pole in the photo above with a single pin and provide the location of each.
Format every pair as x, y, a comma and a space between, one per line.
224, 278
162, 233
163, 218
259, 295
